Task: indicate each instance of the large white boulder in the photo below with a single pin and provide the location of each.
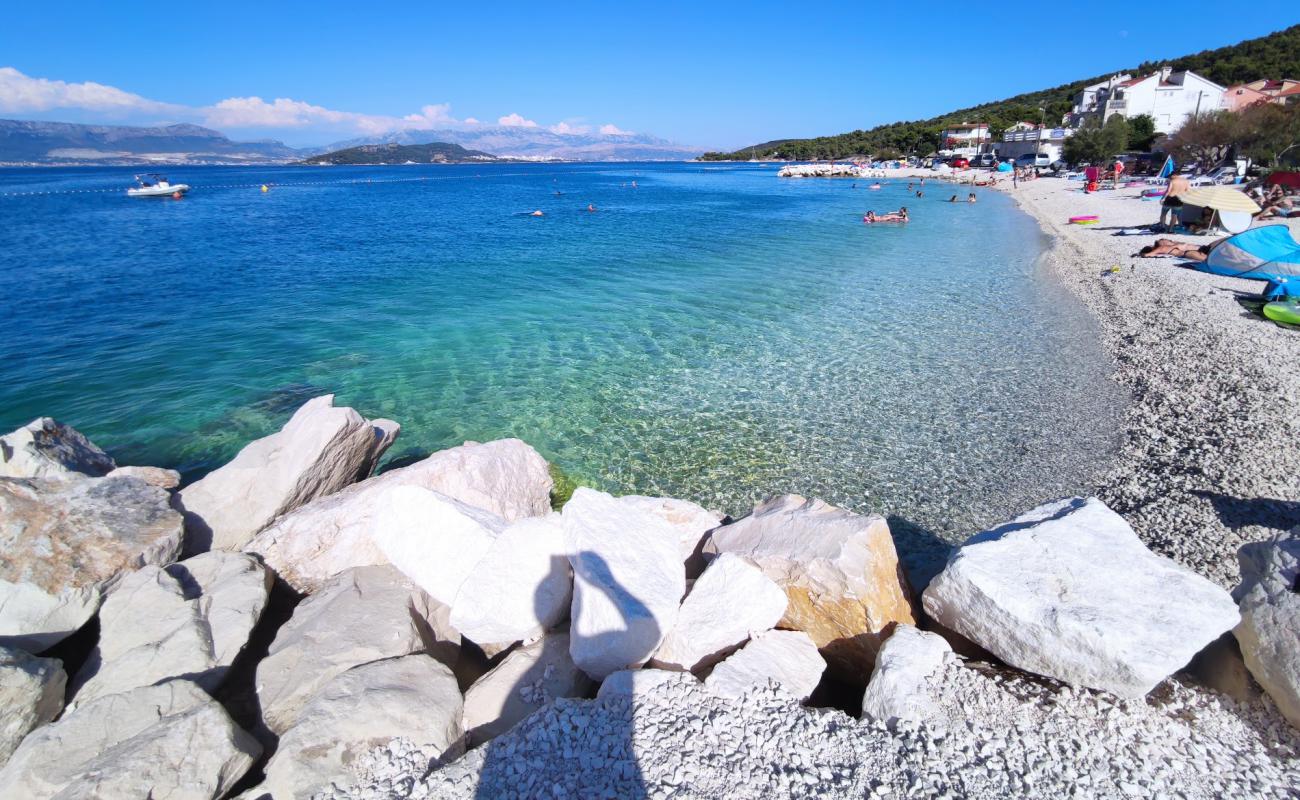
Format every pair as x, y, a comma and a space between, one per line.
230, 591
31, 694
731, 601
519, 589
839, 571
313, 543
361, 615
900, 687
148, 633
413, 698
692, 523
44, 448
165, 741
788, 658
154, 476
63, 542
319, 451
628, 580
434, 539
525, 680
1269, 632
1068, 591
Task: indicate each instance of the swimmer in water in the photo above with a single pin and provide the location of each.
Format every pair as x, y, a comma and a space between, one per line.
591, 206
920, 194
970, 198
537, 213
952, 199
874, 186
633, 184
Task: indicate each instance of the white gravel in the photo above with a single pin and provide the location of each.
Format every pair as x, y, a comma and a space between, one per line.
999, 735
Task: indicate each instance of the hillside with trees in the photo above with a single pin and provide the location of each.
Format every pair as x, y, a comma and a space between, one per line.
431, 153
1274, 56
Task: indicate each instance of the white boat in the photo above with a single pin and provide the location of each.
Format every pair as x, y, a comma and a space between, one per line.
155, 185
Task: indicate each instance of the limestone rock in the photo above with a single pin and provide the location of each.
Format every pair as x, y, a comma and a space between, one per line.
31, 694
899, 687
1269, 632
519, 589
44, 448
361, 615
731, 600
308, 546
839, 570
231, 591
63, 542
633, 682
433, 539
789, 658
1068, 590
154, 476
628, 580
319, 451
527, 679
412, 697
165, 741
148, 633
692, 523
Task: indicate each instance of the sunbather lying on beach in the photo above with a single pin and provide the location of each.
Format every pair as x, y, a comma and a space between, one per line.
1168, 247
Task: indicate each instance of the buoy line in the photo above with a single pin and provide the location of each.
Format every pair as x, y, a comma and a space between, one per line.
277, 184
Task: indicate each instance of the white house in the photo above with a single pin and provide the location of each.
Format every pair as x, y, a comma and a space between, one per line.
1026, 137
966, 139
1166, 96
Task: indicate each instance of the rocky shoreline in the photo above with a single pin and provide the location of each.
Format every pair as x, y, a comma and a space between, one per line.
293, 625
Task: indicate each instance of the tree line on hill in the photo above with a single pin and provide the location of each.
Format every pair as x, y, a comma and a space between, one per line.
1274, 56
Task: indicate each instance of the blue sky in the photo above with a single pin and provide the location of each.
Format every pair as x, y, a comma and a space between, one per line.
707, 74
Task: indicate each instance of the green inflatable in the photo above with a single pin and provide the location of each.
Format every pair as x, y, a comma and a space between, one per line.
1287, 311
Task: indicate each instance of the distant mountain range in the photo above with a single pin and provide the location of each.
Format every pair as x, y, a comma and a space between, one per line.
432, 153
69, 143
48, 143
540, 144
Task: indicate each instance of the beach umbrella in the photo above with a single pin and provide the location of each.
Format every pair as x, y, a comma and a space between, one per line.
1219, 198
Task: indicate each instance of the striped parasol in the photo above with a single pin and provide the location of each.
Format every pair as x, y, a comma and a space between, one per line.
1219, 198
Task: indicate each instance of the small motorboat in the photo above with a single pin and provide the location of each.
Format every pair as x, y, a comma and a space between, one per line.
155, 185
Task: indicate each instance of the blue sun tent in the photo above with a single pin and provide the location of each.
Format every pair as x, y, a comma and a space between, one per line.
1260, 254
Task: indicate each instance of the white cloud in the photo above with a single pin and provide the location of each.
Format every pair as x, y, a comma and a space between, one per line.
20, 93
613, 130
569, 129
438, 114
515, 121
470, 121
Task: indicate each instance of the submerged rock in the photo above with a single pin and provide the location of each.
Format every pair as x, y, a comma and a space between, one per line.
1269, 632
899, 688
319, 451
44, 448
519, 589
413, 697
628, 581
321, 539
361, 615
731, 600
166, 741
63, 542
788, 658
1068, 591
31, 694
839, 571
527, 679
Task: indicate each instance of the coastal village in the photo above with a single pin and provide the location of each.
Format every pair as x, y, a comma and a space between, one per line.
315, 619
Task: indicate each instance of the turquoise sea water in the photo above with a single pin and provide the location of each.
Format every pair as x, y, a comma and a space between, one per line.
715, 333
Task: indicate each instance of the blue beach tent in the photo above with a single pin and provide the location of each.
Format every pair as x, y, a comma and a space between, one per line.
1167, 169
1260, 254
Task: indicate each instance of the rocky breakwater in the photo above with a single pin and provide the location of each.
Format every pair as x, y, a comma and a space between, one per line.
821, 171
454, 635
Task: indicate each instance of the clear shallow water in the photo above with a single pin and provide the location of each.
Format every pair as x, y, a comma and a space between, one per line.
715, 333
